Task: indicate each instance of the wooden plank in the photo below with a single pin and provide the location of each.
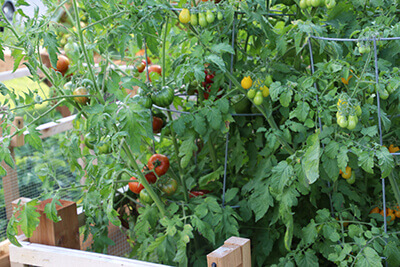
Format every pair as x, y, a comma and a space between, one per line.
5, 252
225, 256
53, 128
48, 256
10, 185
245, 246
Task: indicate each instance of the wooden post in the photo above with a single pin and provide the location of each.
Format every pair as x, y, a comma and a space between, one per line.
64, 233
235, 252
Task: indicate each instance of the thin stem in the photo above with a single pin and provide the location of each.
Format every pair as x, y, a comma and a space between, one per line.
85, 53
103, 19
212, 154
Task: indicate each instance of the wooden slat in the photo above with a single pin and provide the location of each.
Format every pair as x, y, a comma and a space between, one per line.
53, 128
235, 252
48, 256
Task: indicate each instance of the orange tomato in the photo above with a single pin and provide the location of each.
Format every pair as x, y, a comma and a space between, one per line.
375, 210
346, 82
393, 149
347, 173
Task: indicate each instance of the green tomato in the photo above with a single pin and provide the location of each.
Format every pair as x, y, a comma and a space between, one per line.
268, 80
210, 17
303, 4
315, 3
383, 94
330, 4
193, 19
342, 121
220, 16
169, 186
352, 122
145, 197
202, 20
370, 99
258, 99
251, 93
352, 178
163, 97
104, 146
90, 140
358, 110
68, 86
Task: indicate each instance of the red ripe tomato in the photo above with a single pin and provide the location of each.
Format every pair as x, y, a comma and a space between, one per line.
198, 193
159, 163
148, 61
157, 124
135, 187
150, 176
209, 78
155, 68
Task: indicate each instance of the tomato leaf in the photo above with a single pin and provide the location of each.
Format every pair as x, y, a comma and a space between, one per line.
51, 44
217, 60
29, 217
222, 47
33, 139
186, 150
308, 258
368, 257
310, 161
51, 210
366, 161
342, 157
385, 161
392, 253
211, 177
1, 52
275, 90
17, 55
309, 233
301, 111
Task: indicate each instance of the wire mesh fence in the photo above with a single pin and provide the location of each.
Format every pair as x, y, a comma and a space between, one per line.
27, 180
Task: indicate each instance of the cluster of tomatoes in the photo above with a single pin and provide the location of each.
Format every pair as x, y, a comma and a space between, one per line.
363, 48
152, 67
157, 166
263, 88
350, 122
349, 175
392, 213
202, 19
304, 4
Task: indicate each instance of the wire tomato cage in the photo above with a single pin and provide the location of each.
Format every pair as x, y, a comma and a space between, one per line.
233, 36
375, 51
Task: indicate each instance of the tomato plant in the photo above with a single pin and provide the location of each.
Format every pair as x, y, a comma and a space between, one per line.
271, 149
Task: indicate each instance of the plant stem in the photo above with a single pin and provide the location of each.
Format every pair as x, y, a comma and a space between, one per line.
176, 147
163, 53
142, 179
85, 53
212, 154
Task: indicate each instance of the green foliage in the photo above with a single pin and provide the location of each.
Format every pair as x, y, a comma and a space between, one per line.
283, 184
